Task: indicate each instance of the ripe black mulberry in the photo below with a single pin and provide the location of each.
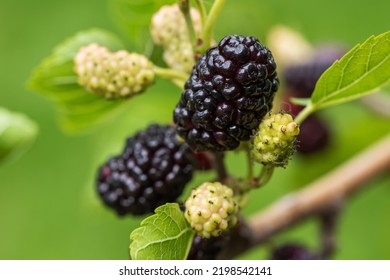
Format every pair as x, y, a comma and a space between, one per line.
153, 169
229, 92
302, 77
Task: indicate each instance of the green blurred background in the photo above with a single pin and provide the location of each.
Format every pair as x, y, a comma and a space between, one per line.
48, 206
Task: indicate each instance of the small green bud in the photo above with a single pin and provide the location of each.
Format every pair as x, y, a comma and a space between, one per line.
273, 143
112, 75
211, 209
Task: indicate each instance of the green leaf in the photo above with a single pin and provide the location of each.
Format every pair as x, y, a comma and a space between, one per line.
55, 78
363, 70
165, 235
17, 134
134, 17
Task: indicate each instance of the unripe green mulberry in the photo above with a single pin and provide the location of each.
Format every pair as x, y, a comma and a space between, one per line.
168, 29
211, 209
179, 56
169, 23
112, 75
274, 141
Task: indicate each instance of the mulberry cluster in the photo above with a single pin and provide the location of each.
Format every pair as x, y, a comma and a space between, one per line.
168, 29
112, 75
274, 141
153, 169
211, 209
228, 93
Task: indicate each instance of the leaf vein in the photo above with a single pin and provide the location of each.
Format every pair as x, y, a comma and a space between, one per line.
354, 82
160, 241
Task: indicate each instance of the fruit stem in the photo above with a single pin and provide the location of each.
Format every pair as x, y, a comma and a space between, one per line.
328, 227
178, 78
256, 182
219, 166
265, 175
202, 11
185, 9
207, 29
309, 109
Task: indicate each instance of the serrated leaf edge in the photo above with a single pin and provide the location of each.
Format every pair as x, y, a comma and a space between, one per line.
320, 103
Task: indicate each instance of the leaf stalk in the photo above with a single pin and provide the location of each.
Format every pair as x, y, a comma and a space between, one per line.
208, 27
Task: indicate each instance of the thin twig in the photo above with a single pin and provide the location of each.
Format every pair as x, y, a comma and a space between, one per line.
321, 195
379, 103
168, 73
176, 77
328, 221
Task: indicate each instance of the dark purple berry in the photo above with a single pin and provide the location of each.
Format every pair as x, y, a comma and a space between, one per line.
206, 249
303, 77
293, 252
153, 169
314, 135
329, 52
203, 160
229, 92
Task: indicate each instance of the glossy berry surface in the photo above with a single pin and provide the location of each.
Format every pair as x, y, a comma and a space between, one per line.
314, 136
153, 169
230, 90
